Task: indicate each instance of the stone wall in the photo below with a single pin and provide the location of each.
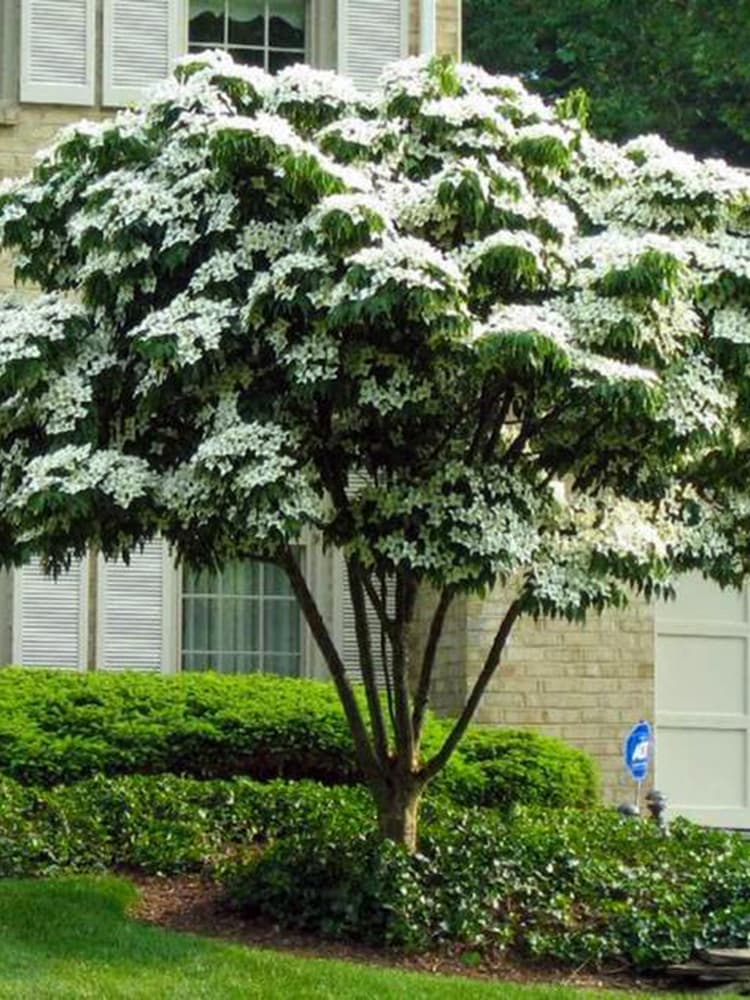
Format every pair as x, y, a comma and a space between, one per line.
449, 685
32, 127
584, 684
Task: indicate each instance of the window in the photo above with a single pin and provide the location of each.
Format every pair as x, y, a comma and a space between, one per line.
266, 33
244, 619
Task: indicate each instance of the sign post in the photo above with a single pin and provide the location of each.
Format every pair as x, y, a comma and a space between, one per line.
637, 754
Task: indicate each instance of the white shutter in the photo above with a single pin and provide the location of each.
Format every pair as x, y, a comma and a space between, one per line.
349, 648
57, 51
372, 33
142, 38
49, 617
133, 612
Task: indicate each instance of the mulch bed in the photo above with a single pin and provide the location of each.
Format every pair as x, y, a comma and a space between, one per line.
193, 903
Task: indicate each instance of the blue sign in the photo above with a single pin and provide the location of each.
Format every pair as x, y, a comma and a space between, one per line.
637, 750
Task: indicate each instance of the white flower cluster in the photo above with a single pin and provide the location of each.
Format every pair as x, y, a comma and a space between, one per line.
732, 323
246, 275
302, 84
74, 469
193, 325
406, 261
544, 320
28, 325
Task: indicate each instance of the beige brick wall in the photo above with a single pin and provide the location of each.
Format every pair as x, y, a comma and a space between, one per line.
448, 27
450, 675
34, 127
584, 684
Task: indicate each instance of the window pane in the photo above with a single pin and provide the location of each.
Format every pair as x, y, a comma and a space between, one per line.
249, 627
247, 22
227, 580
195, 624
281, 626
275, 581
287, 24
247, 578
282, 664
248, 57
197, 581
213, 625
248, 665
280, 60
241, 620
206, 21
229, 619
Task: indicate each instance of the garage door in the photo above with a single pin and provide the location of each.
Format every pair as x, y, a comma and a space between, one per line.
702, 710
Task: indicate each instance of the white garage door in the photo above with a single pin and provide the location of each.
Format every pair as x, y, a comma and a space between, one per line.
702, 710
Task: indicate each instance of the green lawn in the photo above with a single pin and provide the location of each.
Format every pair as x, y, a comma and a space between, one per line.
71, 938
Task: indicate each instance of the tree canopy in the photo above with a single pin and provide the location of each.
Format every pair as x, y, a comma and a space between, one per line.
676, 67
441, 328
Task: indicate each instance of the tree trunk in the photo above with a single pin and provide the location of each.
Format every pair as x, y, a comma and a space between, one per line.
398, 813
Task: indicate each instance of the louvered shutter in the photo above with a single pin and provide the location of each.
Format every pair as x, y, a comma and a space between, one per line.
57, 51
348, 646
49, 617
372, 33
133, 616
142, 38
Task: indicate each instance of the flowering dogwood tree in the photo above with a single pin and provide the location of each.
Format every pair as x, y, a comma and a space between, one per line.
442, 328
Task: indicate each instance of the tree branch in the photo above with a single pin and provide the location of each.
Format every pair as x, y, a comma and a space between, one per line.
404, 609
422, 696
384, 639
494, 436
378, 604
490, 666
367, 666
365, 753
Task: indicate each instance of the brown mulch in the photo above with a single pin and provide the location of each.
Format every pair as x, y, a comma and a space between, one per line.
193, 903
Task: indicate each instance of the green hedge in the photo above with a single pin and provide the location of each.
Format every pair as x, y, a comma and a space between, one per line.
582, 888
157, 823
58, 727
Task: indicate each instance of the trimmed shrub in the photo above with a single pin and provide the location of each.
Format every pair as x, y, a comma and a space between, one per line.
157, 823
504, 767
59, 727
566, 886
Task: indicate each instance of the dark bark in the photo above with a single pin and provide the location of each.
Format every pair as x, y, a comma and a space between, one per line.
422, 693
491, 663
396, 780
368, 761
367, 666
398, 811
405, 743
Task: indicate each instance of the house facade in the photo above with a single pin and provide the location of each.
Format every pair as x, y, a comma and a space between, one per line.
684, 666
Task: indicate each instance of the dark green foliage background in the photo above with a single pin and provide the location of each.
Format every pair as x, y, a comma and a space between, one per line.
677, 67
58, 728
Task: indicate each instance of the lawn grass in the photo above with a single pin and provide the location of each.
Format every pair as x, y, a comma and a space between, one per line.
72, 938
